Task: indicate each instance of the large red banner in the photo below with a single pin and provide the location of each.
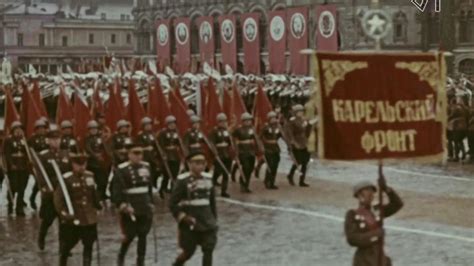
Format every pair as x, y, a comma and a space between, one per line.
228, 41
251, 42
326, 33
297, 21
183, 45
163, 48
277, 41
205, 26
379, 106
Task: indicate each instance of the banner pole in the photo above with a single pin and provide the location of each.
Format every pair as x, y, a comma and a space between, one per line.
381, 255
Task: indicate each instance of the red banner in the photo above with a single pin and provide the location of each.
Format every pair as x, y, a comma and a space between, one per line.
326, 33
228, 41
297, 21
163, 47
251, 42
277, 41
379, 106
183, 45
206, 39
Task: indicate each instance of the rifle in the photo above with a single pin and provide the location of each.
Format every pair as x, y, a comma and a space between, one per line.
42, 170
163, 157
62, 185
287, 141
216, 154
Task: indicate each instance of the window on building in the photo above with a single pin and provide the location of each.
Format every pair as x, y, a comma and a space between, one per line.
42, 40
466, 66
91, 38
103, 16
19, 39
466, 27
400, 25
129, 38
112, 39
64, 41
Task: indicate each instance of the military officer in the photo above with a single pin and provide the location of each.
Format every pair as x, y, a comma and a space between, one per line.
362, 225
246, 150
68, 141
298, 133
193, 205
120, 140
47, 211
14, 150
132, 194
82, 224
96, 163
221, 139
270, 135
146, 138
169, 141
39, 143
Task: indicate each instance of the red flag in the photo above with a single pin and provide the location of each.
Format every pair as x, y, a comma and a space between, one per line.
212, 107
326, 34
114, 111
277, 42
179, 111
158, 108
227, 104
203, 103
238, 107
251, 42
64, 110
206, 39
180, 98
297, 19
37, 96
30, 112
135, 109
11, 114
163, 43
81, 117
228, 41
183, 45
261, 109
97, 106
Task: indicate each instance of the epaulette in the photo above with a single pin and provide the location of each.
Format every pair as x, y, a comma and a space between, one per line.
206, 175
68, 174
123, 165
292, 118
183, 175
43, 152
145, 163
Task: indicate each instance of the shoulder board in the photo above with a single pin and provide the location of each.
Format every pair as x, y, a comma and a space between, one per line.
67, 175
183, 176
145, 163
292, 118
43, 152
206, 175
123, 165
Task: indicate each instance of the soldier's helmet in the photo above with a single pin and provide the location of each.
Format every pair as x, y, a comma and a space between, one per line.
40, 123
271, 115
195, 119
221, 117
16, 124
122, 123
146, 120
170, 119
246, 116
92, 124
190, 112
298, 107
66, 124
363, 185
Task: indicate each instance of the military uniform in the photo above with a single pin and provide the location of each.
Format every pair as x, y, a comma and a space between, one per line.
69, 143
470, 134
82, 226
119, 142
363, 230
150, 152
39, 143
299, 131
97, 163
193, 141
221, 139
194, 198
170, 143
245, 141
131, 187
270, 135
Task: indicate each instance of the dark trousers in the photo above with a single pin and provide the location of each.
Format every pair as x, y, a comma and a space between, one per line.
47, 214
470, 141
174, 169
131, 229
18, 180
218, 171
70, 235
458, 137
302, 157
449, 136
101, 179
273, 160
34, 191
248, 164
189, 240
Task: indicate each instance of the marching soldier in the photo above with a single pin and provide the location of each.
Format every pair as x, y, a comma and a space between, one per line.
16, 159
104, 130
169, 141
39, 143
68, 141
193, 205
132, 194
470, 134
193, 139
221, 139
82, 225
119, 142
147, 140
299, 130
270, 135
246, 150
362, 225
96, 163
47, 211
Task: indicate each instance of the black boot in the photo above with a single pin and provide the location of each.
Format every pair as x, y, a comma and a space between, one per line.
122, 253
302, 183
291, 174
10, 209
140, 261
86, 260
63, 260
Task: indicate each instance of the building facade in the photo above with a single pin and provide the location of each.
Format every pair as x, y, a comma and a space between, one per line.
412, 29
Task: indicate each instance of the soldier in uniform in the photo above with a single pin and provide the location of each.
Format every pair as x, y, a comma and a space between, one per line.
298, 132
221, 139
68, 141
132, 194
39, 143
193, 205
169, 141
146, 138
96, 163
193, 139
270, 135
16, 159
119, 142
246, 150
82, 225
470, 134
47, 211
362, 225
